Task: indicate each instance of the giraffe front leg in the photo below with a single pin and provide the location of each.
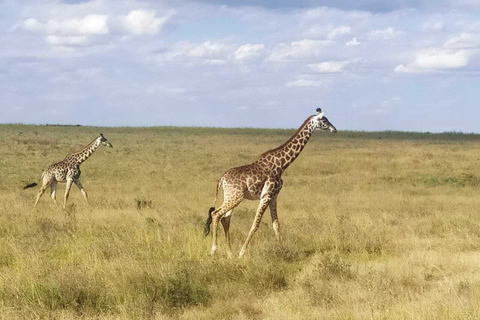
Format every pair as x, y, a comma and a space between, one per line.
273, 213
67, 192
84, 193
264, 202
226, 227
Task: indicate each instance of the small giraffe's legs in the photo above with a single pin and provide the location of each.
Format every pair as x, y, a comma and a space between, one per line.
226, 227
273, 213
264, 202
227, 206
41, 192
84, 193
67, 192
53, 191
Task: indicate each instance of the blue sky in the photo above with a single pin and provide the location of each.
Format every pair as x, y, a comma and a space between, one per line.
409, 65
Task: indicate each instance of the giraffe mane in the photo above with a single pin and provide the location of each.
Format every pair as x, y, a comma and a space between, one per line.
289, 140
83, 149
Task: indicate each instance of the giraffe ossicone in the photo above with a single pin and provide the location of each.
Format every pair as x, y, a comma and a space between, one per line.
68, 170
261, 180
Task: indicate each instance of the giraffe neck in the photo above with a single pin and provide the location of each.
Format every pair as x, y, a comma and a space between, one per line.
86, 152
284, 155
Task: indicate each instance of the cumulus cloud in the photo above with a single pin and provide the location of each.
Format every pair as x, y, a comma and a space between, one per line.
385, 34
208, 50
298, 49
328, 66
355, 5
352, 43
463, 41
433, 26
436, 59
248, 52
210, 53
144, 22
88, 25
339, 31
66, 40
305, 83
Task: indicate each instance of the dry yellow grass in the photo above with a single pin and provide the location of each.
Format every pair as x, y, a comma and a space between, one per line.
375, 226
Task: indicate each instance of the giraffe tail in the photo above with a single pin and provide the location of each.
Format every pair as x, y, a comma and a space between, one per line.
30, 185
206, 231
33, 184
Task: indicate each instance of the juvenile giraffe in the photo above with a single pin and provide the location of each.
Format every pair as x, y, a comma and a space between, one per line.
260, 180
68, 170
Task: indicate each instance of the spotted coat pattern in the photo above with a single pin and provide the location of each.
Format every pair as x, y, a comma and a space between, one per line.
68, 170
262, 180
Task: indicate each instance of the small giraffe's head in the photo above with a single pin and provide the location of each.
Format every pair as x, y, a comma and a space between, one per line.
321, 122
104, 141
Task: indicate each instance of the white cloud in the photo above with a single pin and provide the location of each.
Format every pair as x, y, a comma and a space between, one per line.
433, 26
463, 41
66, 40
33, 25
144, 22
207, 50
385, 34
210, 53
298, 49
305, 83
249, 52
339, 31
352, 43
442, 59
328, 66
436, 59
89, 25
153, 89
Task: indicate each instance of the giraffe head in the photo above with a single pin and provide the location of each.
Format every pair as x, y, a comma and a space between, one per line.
321, 122
104, 141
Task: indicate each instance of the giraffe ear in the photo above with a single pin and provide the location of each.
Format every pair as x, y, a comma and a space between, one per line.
320, 113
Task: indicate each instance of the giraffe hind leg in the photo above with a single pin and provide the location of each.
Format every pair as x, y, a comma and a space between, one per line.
226, 227
42, 190
227, 206
53, 191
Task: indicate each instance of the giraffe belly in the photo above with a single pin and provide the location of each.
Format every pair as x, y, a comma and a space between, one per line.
250, 196
61, 176
254, 191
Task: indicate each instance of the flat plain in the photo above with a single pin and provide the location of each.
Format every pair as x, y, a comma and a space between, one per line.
374, 226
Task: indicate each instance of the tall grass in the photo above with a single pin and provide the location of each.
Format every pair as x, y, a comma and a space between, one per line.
374, 226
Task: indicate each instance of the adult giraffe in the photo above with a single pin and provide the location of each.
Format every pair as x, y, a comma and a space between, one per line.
260, 180
68, 170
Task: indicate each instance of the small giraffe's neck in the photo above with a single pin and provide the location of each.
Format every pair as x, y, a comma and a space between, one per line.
86, 152
284, 155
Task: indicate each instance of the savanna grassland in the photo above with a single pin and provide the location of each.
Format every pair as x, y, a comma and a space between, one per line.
374, 226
